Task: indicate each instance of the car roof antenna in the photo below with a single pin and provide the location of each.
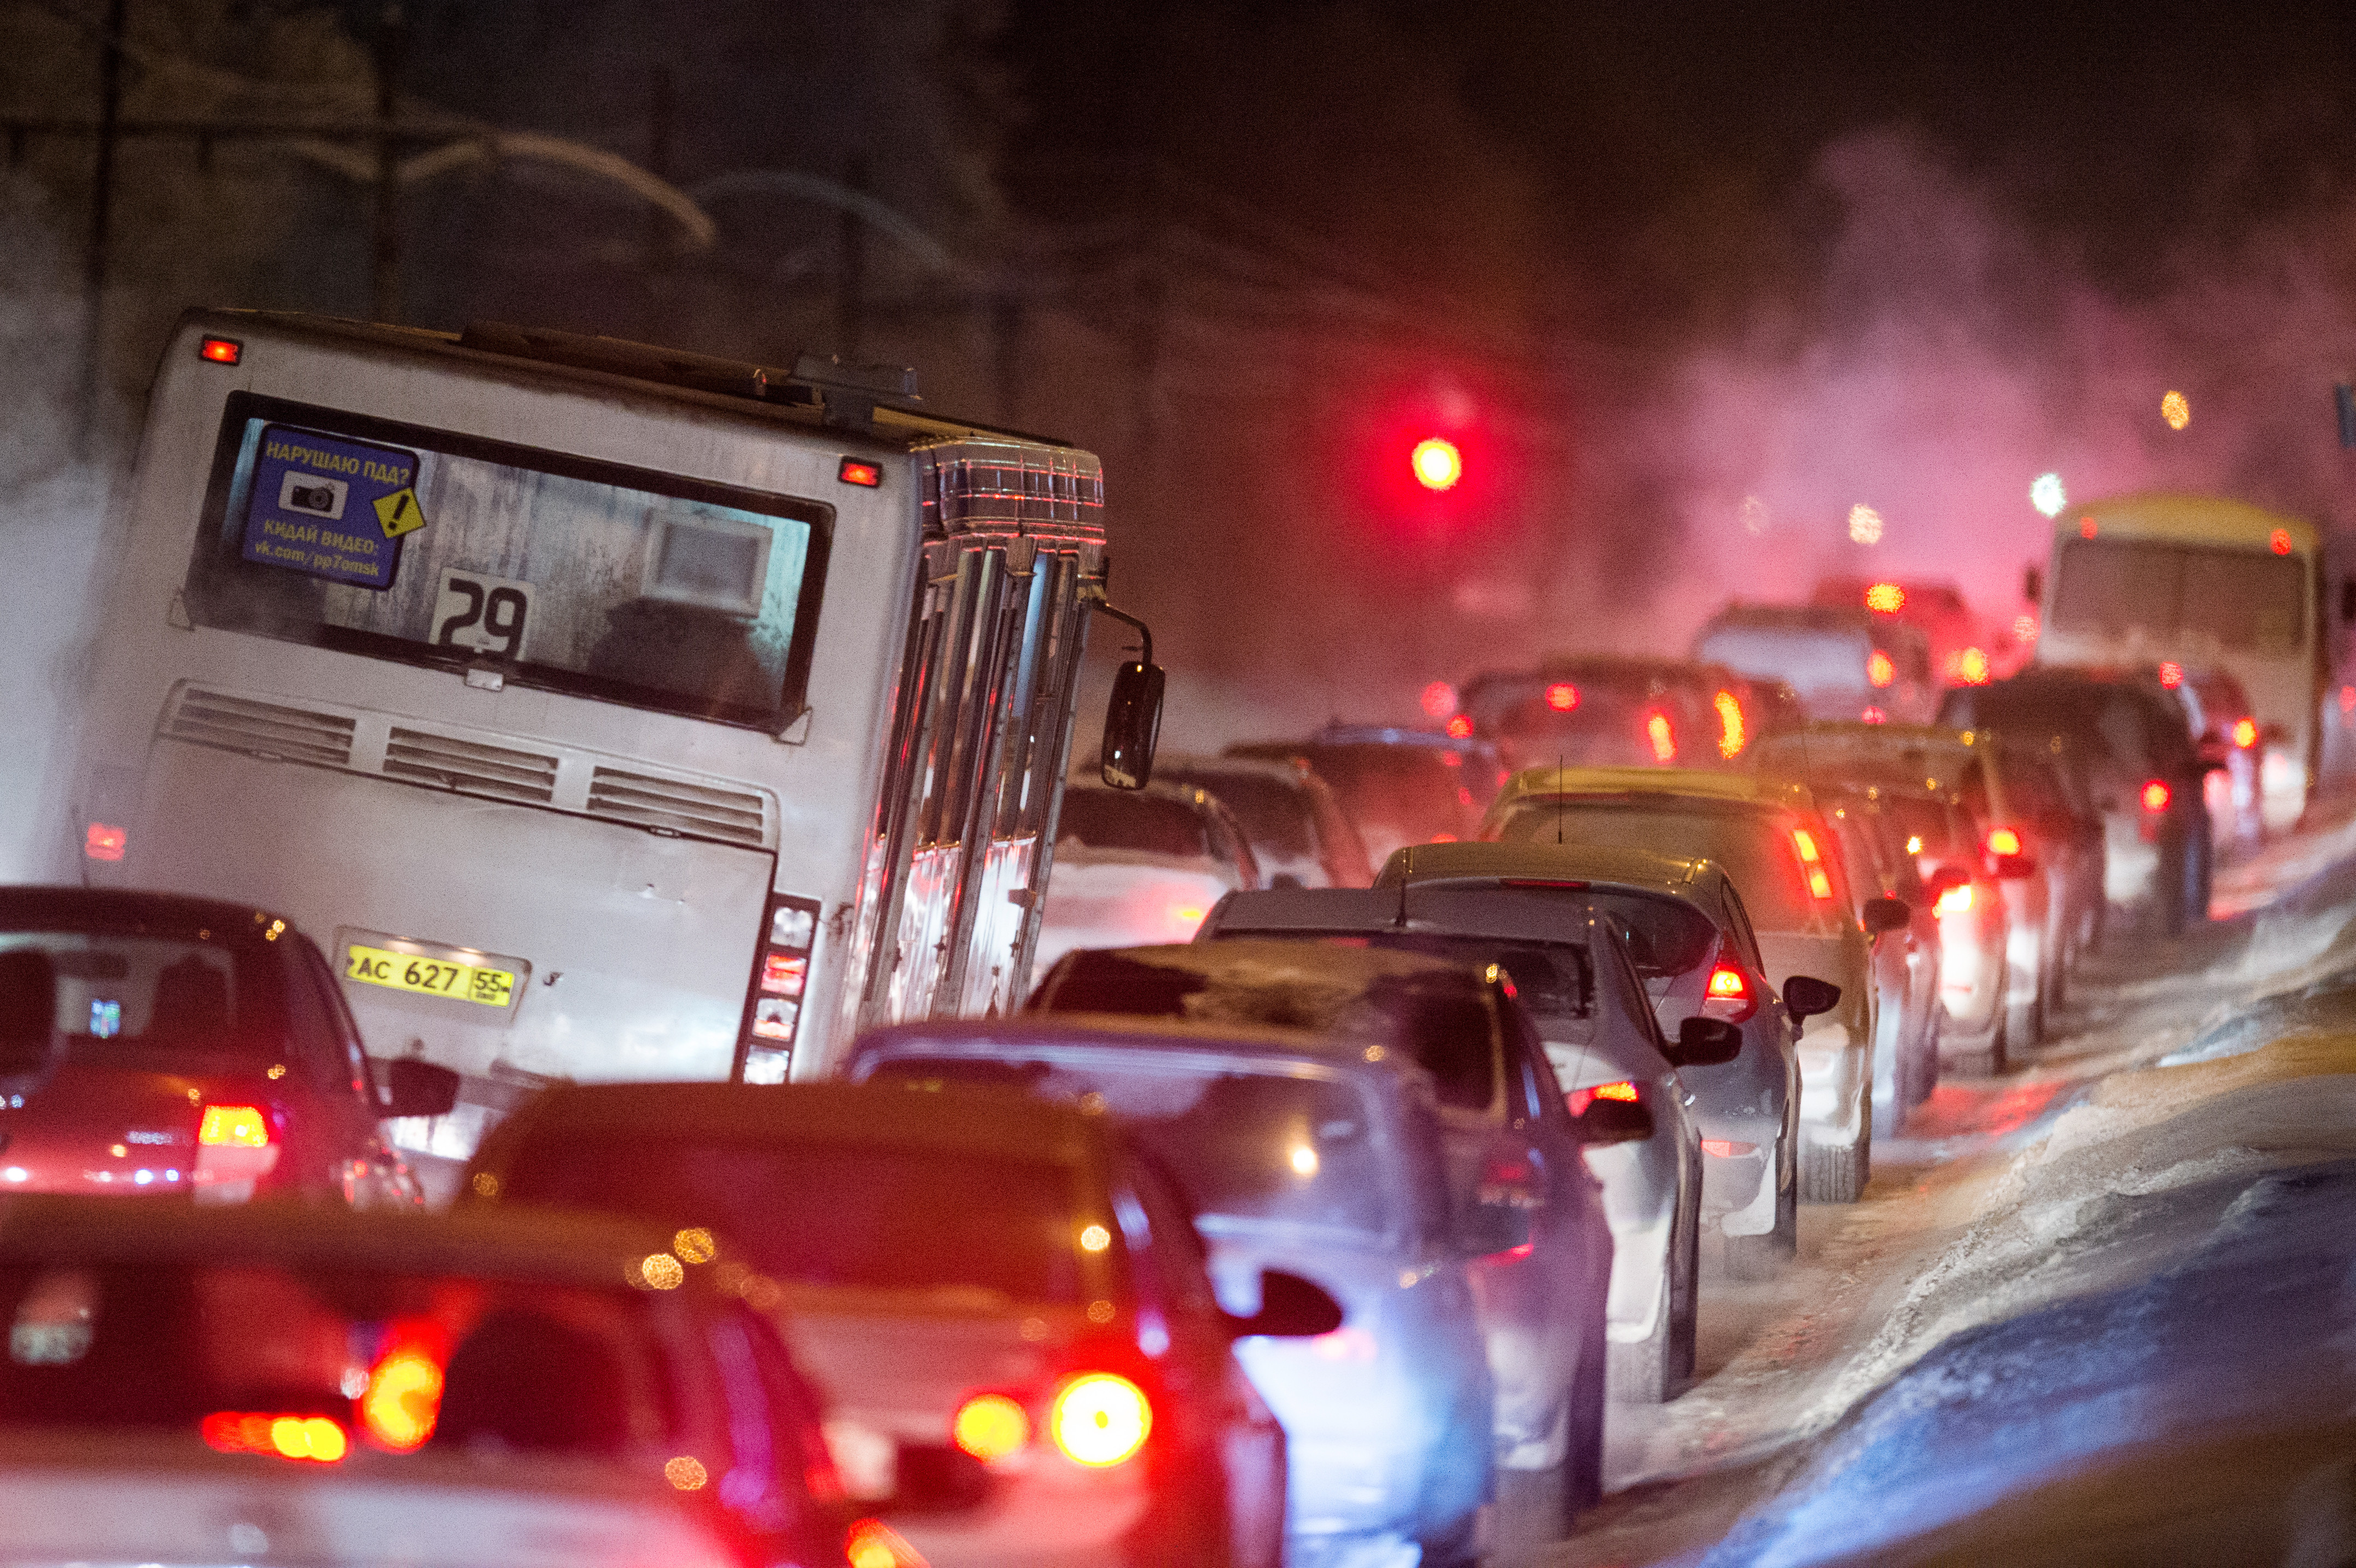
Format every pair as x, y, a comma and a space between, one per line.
1407, 870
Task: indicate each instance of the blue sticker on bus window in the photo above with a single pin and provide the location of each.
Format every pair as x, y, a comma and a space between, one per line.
331, 507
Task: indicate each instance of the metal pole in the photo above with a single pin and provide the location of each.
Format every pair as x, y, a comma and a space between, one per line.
101, 198
385, 290
851, 281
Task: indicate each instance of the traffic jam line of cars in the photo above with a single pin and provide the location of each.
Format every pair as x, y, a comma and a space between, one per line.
1321, 1220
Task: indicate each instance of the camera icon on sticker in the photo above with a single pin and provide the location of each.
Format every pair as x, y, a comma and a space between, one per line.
313, 495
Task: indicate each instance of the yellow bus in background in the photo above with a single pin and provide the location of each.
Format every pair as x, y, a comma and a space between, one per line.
2205, 583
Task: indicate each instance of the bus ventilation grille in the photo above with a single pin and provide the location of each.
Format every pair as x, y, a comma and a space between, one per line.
470, 766
260, 729
671, 805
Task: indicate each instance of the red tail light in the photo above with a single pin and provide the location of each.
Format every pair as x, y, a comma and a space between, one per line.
2245, 733
991, 1426
1880, 670
403, 1399
1662, 738
220, 351
1579, 1099
234, 1144
1727, 995
1955, 900
1727, 1148
2171, 673
235, 1126
1562, 696
872, 1543
2003, 841
313, 1437
1732, 734
103, 841
1100, 1420
2156, 795
1812, 865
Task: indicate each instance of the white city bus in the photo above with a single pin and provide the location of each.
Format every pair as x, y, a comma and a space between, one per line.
615, 714
2205, 583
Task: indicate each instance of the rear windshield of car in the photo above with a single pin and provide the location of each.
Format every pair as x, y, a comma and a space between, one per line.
1809, 660
1755, 847
1665, 935
1400, 794
2240, 598
838, 1213
129, 999
1442, 1022
1244, 1145
273, 1359
2120, 731
431, 547
1274, 815
1121, 819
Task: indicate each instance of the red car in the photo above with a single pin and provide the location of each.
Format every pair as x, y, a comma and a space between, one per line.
155, 1044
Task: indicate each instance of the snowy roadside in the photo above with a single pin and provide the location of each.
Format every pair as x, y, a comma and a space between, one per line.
2095, 1171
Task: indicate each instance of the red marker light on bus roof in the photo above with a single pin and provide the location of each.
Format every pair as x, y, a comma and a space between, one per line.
1562, 696
2279, 541
1460, 728
1885, 599
2171, 673
2087, 528
854, 472
220, 351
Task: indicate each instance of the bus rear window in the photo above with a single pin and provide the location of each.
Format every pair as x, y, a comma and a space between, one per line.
2240, 598
429, 547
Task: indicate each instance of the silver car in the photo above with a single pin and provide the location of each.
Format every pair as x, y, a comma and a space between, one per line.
1679, 919
1304, 1150
1570, 968
1794, 893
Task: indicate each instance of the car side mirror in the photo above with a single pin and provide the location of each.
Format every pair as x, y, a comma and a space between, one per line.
29, 1041
2007, 866
1622, 1120
1704, 1042
1289, 1308
1805, 996
413, 1087
2032, 585
1887, 915
1132, 725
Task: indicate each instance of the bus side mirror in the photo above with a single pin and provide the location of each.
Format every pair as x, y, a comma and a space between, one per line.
1132, 725
2032, 585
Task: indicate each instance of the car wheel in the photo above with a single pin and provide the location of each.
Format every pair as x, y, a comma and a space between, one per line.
1763, 1256
1644, 1372
1837, 1173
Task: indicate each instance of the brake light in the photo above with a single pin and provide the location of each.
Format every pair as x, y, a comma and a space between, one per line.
313, 1437
853, 472
1562, 696
872, 1543
2171, 673
1873, 716
1663, 740
1460, 727
1100, 1420
1727, 1148
2003, 841
1887, 598
220, 351
2279, 541
2156, 795
1879, 671
403, 1399
1731, 737
991, 1426
1955, 900
1727, 984
1579, 1099
2245, 733
105, 842
1972, 667
1820, 883
235, 1127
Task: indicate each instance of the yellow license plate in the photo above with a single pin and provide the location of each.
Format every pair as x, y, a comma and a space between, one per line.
429, 976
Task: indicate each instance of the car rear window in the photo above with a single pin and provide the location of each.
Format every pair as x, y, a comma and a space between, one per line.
837, 1213
1755, 847
1441, 1021
1124, 820
1259, 1146
124, 998
2239, 599
1274, 815
1809, 660
353, 1358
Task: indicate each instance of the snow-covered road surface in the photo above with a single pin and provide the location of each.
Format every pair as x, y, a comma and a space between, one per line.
2096, 1250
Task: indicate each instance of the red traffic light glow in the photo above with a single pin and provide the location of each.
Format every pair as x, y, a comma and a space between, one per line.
1438, 464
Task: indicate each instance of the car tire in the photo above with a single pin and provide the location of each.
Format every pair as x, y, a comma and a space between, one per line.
1837, 1173
1645, 1371
1760, 1258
